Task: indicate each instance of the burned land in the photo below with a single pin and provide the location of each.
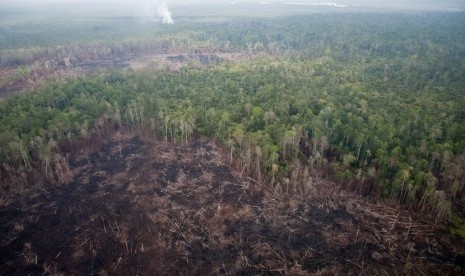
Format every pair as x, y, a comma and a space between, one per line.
143, 206
15, 80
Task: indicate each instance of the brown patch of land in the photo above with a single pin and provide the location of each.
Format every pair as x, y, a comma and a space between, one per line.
30, 77
140, 206
175, 61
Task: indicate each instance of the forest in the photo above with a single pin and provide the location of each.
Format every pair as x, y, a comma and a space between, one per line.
372, 102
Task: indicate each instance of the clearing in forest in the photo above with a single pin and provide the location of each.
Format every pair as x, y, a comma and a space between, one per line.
145, 207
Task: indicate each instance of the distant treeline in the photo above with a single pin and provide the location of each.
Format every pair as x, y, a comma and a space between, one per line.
347, 36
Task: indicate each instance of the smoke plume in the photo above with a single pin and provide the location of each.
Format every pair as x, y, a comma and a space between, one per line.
165, 14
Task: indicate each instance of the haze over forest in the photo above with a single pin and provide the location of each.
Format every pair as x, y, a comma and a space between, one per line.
407, 5
204, 137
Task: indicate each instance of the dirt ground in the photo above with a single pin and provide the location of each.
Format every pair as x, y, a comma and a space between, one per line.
140, 206
37, 74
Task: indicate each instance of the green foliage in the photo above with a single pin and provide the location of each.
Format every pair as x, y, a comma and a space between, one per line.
458, 226
376, 101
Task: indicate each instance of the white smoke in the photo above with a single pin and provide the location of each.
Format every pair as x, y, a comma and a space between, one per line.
165, 13
152, 10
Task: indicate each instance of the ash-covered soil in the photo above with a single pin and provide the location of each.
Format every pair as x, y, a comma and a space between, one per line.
146, 207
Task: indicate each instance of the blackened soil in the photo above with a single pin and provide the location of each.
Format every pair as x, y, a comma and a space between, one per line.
141, 207
203, 59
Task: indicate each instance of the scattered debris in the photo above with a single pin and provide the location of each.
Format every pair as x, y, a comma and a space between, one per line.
158, 208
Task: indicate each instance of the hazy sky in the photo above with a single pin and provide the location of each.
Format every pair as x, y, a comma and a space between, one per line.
397, 4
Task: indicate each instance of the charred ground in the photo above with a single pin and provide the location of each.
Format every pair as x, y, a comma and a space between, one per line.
140, 206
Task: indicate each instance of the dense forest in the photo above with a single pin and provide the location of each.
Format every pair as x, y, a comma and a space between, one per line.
374, 102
